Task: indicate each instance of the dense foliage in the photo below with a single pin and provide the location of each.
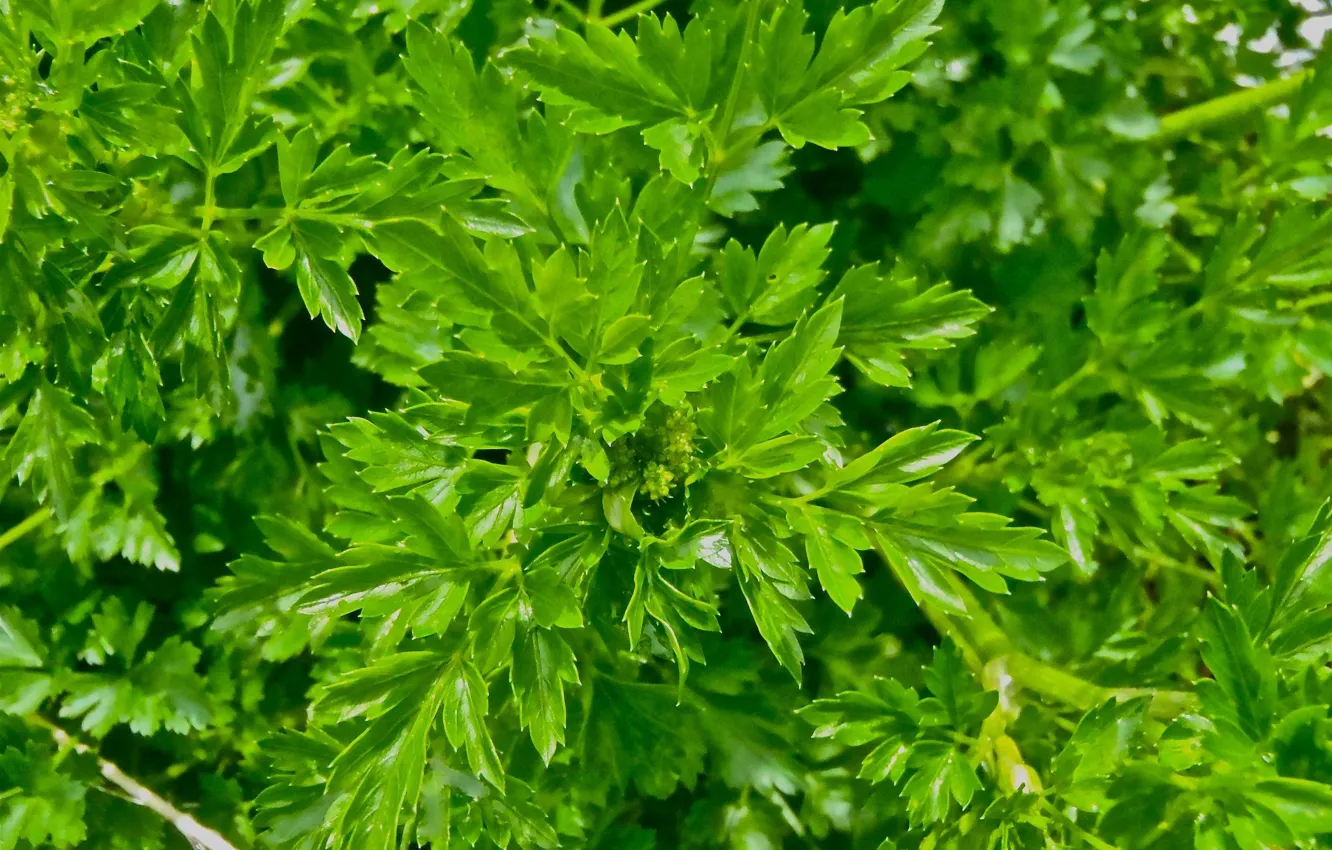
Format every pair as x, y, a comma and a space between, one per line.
728, 423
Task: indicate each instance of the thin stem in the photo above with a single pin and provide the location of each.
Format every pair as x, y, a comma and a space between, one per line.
747, 137
982, 642
1086, 370
1207, 577
298, 214
742, 65
718, 155
1221, 109
631, 11
28, 524
571, 9
1075, 827
734, 328
228, 213
806, 498
951, 629
196, 833
210, 199
1313, 301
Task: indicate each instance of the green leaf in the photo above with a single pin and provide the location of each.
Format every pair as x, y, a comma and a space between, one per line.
490, 388
296, 159
980, 547
229, 60
941, 775
776, 287
20, 643
1102, 742
43, 806
818, 119
1301, 579
680, 146
1242, 672
382, 769
162, 691
1304, 806
780, 455
466, 705
837, 565
764, 567
755, 170
795, 378
908, 456
887, 315
326, 289
43, 447
542, 664
603, 74
857, 62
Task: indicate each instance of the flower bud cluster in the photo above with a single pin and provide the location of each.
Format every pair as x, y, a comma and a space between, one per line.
659, 457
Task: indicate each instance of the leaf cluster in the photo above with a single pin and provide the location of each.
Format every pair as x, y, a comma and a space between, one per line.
730, 423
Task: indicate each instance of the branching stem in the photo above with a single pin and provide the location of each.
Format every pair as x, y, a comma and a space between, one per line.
982, 642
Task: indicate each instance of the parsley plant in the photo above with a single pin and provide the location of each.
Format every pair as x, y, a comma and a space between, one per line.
728, 423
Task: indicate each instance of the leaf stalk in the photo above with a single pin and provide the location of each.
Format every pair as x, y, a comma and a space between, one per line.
28, 524
1221, 109
983, 643
629, 12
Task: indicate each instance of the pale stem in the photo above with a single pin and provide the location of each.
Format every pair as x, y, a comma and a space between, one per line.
196, 833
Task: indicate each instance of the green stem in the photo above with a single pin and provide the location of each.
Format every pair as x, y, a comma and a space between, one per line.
628, 12
298, 214
1319, 300
1086, 370
717, 157
946, 626
734, 328
1207, 577
210, 199
746, 138
1221, 109
1075, 828
992, 646
1052, 682
571, 9
742, 65
983, 644
35, 519
227, 213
